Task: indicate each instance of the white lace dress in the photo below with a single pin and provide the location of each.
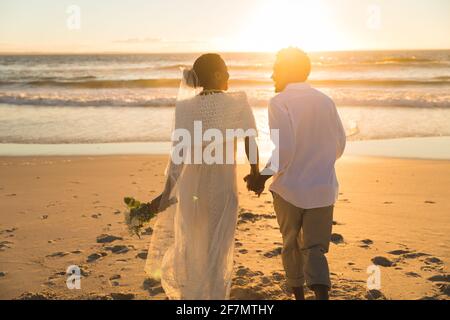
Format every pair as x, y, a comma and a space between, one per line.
193, 241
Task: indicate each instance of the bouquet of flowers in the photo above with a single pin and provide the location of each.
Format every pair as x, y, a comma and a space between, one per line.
139, 214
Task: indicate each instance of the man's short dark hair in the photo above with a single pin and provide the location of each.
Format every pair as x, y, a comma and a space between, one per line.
296, 60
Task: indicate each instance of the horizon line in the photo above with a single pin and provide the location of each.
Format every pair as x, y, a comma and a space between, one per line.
24, 53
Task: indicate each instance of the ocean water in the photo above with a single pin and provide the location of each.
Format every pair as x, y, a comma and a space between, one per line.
68, 99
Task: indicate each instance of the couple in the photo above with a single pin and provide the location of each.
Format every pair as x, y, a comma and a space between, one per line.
192, 245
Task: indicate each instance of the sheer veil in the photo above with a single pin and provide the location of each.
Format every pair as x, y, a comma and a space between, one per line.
163, 236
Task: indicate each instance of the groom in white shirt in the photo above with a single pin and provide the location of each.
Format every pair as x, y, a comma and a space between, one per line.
305, 187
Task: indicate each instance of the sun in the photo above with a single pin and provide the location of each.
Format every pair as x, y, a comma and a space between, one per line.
282, 23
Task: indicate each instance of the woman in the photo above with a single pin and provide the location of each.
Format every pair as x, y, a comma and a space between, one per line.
193, 241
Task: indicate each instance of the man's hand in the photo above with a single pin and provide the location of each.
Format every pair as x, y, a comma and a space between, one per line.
256, 183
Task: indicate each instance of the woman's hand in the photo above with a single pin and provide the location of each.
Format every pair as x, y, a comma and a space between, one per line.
155, 204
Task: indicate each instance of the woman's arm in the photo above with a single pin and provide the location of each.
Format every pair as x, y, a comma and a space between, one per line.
250, 147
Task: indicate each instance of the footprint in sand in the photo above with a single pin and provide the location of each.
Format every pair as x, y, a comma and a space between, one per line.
375, 295
243, 251
8, 231
239, 281
147, 232
336, 238
113, 280
118, 249
433, 261
274, 253
433, 264
142, 255
399, 252
414, 255
266, 281
106, 238
37, 296
122, 296
366, 243
58, 254
440, 278
278, 277
5, 245
444, 288
382, 261
248, 293
152, 286
430, 202
413, 275
95, 256
245, 217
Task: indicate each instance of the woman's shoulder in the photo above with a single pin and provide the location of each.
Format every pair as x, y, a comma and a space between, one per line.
238, 98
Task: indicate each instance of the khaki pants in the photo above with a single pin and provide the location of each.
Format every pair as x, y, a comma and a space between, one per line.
306, 240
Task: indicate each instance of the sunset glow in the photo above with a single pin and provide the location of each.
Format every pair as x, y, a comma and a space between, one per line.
233, 25
277, 24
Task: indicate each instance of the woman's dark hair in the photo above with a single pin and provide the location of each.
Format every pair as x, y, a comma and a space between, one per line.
205, 67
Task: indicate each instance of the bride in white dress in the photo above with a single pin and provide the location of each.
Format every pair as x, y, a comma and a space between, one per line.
192, 245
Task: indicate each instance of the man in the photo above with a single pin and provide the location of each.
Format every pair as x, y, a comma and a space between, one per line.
305, 187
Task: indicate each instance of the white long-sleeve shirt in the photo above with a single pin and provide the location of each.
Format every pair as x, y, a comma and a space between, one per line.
311, 139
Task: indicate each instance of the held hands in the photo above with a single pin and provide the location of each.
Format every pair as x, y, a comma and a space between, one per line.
255, 182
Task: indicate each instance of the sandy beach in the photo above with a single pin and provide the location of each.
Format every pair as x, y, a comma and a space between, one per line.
57, 211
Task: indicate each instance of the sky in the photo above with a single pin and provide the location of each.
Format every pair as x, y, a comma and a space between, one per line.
83, 26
